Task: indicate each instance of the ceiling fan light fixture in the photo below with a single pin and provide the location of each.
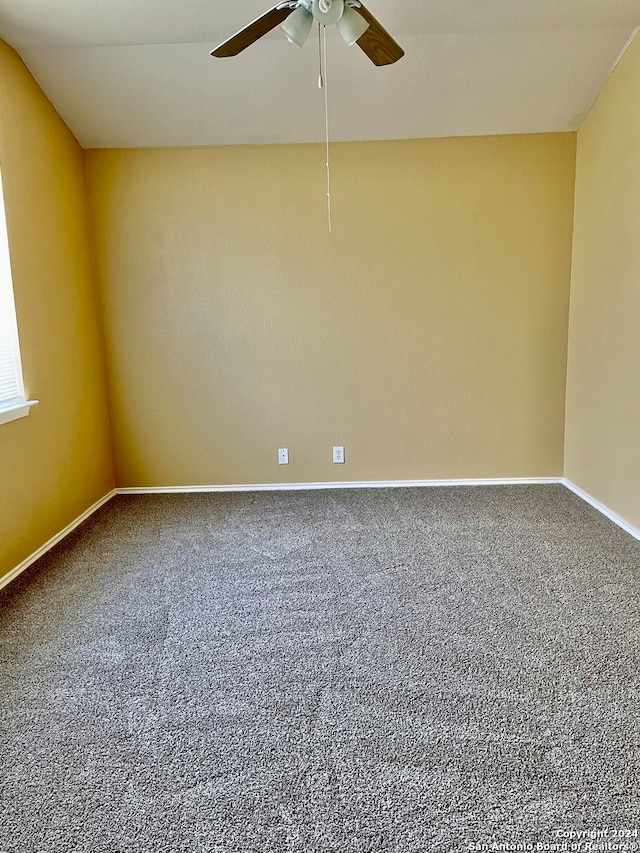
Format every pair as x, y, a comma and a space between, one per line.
351, 26
298, 26
327, 12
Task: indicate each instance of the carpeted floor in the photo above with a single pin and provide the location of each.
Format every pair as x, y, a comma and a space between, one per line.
406, 670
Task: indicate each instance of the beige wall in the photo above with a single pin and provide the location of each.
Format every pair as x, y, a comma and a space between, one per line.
603, 390
427, 333
55, 463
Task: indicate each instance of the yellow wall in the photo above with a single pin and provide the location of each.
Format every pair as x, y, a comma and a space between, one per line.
427, 334
603, 390
55, 463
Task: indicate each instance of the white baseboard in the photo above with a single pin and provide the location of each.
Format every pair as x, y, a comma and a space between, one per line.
385, 484
632, 531
13, 574
276, 487
364, 484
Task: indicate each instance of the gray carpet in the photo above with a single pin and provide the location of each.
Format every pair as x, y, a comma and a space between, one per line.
353, 671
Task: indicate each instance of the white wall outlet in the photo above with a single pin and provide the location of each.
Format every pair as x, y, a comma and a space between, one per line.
283, 456
338, 455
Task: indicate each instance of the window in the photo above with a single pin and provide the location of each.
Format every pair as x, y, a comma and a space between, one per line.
13, 403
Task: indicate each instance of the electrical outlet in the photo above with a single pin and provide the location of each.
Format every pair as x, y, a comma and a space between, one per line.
283, 456
338, 455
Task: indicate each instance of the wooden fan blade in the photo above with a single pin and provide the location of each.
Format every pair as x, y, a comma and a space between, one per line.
254, 31
376, 41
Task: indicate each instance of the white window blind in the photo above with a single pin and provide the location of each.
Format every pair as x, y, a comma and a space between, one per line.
10, 374
12, 400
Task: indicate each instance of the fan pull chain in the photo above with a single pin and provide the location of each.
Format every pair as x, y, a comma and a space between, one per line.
320, 77
322, 83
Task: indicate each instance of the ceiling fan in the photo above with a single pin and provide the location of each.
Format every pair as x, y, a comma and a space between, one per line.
354, 22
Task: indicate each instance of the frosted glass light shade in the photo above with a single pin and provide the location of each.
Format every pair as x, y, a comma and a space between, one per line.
351, 26
298, 26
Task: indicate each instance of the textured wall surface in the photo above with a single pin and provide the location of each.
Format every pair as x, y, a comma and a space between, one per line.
603, 389
427, 333
57, 462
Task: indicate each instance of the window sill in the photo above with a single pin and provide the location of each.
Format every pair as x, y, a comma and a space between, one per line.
16, 410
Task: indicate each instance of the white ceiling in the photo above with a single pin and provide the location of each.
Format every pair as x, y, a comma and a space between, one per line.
128, 74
